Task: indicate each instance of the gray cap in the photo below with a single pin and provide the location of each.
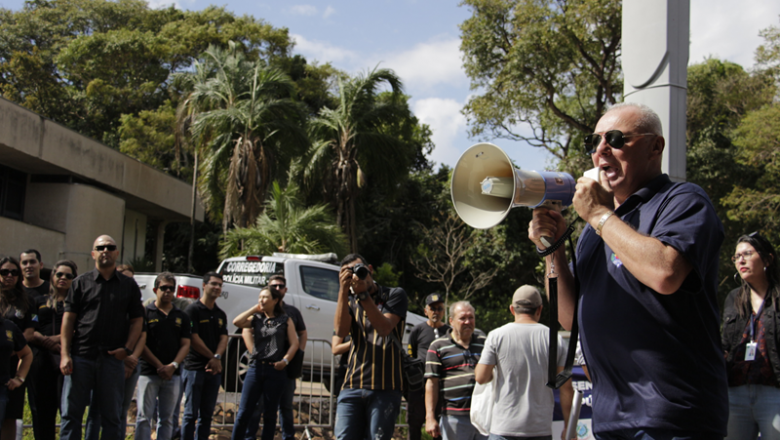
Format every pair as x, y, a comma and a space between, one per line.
527, 297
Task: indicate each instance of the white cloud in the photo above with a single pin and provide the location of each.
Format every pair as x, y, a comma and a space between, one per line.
323, 51
728, 30
428, 64
330, 10
304, 10
446, 122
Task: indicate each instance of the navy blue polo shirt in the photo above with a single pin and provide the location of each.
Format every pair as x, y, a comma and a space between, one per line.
655, 360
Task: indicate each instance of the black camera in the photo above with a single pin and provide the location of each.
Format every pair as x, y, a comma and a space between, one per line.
361, 270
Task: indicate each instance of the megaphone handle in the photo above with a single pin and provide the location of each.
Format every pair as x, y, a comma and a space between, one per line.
555, 205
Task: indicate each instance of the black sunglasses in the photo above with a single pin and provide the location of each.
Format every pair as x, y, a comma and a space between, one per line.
69, 276
167, 288
615, 139
277, 286
12, 272
106, 247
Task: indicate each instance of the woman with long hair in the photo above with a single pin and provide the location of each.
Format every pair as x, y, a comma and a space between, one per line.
266, 377
49, 379
15, 355
751, 339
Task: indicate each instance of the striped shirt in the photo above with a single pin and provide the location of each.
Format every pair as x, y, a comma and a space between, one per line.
454, 366
375, 361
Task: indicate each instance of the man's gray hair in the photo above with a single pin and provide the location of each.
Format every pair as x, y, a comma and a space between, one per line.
461, 304
648, 122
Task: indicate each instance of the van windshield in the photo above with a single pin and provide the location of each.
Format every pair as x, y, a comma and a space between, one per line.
251, 273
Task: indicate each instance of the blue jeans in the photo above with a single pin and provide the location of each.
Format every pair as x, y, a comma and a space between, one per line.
150, 389
458, 427
654, 434
367, 414
98, 383
201, 390
754, 409
93, 418
285, 414
264, 382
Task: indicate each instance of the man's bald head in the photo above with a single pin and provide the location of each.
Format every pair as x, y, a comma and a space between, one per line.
105, 252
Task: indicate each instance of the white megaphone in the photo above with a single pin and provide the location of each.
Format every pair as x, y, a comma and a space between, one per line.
486, 186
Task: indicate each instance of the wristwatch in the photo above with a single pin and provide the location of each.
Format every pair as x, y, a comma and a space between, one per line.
128, 351
175, 364
362, 295
216, 356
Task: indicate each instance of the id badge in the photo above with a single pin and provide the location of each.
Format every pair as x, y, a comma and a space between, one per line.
750, 351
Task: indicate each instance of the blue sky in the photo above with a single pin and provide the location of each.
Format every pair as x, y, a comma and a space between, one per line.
420, 41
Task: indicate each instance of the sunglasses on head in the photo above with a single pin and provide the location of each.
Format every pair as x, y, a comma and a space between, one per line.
167, 288
614, 138
69, 276
105, 247
11, 272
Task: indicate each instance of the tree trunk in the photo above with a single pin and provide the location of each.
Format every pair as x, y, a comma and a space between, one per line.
191, 252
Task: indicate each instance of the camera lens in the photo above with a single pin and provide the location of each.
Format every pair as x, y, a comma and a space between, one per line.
361, 271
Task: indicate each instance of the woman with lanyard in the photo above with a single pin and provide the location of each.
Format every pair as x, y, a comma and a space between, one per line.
274, 331
15, 355
49, 379
751, 338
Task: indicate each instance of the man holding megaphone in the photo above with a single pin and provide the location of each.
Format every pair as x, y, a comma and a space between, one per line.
647, 265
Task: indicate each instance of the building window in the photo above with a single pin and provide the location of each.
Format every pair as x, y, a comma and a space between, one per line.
12, 187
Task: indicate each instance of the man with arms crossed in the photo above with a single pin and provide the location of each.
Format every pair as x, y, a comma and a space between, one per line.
202, 373
648, 269
370, 399
103, 320
420, 339
168, 342
516, 356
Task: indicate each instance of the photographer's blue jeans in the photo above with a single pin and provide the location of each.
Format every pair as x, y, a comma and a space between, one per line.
367, 414
201, 390
99, 382
263, 383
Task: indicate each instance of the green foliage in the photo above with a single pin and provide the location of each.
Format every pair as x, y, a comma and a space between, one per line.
84, 63
286, 225
386, 276
550, 67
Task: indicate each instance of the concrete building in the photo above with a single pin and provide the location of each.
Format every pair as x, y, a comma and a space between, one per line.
59, 190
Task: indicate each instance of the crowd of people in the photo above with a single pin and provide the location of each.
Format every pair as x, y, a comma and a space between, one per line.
643, 292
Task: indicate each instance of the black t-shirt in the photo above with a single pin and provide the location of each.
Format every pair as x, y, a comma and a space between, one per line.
163, 336
296, 317
270, 337
209, 325
11, 341
421, 336
23, 319
36, 292
103, 309
49, 318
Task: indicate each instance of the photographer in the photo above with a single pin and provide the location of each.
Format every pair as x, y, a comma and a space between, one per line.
370, 400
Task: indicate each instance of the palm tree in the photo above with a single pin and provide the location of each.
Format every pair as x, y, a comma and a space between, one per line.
351, 139
286, 225
247, 128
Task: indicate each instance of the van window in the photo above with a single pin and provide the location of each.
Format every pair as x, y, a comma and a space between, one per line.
320, 283
251, 273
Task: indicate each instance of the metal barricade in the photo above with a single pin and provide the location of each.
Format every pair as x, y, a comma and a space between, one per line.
312, 401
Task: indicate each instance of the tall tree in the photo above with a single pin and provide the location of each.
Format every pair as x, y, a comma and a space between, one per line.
250, 127
544, 70
286, 225
350, 138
